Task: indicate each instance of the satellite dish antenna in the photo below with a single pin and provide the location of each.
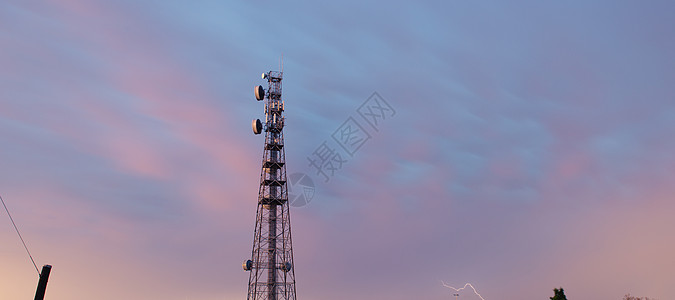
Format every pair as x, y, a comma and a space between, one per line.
286, 267
247, 265
259, 92
257, 126
264, 76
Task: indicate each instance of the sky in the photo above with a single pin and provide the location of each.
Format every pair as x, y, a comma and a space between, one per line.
520, 146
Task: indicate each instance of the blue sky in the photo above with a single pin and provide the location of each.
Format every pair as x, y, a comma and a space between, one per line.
530, 146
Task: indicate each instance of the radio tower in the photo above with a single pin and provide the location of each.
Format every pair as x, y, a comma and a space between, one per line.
272, 275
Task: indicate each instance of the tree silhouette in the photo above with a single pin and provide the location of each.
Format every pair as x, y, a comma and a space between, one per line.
558, 294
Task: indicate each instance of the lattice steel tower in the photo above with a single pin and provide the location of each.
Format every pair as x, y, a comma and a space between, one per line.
272, 274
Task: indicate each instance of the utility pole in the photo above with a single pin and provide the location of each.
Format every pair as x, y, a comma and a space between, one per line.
42, 283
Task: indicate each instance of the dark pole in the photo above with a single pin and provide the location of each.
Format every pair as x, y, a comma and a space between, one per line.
42, 284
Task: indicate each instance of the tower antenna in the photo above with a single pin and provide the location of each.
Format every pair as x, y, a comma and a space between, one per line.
272, 273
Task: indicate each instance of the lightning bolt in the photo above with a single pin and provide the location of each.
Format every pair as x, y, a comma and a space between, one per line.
459, 289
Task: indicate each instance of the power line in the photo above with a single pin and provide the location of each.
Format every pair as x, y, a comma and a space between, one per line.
20, 237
